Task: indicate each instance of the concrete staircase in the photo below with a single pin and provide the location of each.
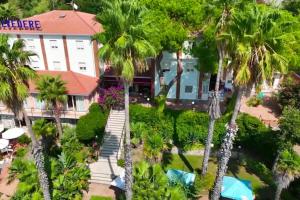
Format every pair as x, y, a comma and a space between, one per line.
106, 169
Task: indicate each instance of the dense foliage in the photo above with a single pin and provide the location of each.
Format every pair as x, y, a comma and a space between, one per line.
256, 138
289, 124
111, 97
69, 174
69, 178
151, 182
289, 93
189, 128
92, 124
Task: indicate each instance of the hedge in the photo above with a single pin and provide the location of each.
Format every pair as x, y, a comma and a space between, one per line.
187, 128
91, 124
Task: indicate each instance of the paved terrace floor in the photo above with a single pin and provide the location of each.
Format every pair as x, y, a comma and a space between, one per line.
6, 190
268, 112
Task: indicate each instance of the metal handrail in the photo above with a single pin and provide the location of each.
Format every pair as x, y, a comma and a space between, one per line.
120, 143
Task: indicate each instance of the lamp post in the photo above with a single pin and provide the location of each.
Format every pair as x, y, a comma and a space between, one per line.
193, 103
239, 149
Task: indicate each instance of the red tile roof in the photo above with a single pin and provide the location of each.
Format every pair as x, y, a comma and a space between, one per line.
77, 84
61, 22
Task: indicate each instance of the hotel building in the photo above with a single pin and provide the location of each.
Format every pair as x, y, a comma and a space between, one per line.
62, 41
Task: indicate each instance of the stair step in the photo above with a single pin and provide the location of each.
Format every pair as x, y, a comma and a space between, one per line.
101, 182
100, 176
110, 148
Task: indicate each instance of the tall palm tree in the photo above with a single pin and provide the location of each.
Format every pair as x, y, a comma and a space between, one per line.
125, 47
257, 34
53, 91
14, 77
214, 107
287, 169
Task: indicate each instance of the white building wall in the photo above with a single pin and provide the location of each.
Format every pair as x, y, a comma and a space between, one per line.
81, 53
156, 83
33, 44
189, 79
11, 39
169, 64
55, 56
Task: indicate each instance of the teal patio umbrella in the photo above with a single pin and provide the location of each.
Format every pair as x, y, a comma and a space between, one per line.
183, 177
236, 189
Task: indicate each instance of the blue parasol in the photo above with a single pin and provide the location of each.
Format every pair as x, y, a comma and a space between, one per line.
236, 189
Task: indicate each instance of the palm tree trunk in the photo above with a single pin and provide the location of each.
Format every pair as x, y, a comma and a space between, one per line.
37, 152
226, 147
57, 119
214, 112
128, 160
278, 192
275, 162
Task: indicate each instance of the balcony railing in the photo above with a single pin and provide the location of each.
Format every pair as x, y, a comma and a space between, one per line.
35, 112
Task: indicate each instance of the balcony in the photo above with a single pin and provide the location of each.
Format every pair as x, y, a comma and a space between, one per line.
34, 112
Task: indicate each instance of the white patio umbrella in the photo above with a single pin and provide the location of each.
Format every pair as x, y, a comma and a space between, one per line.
3, 143
119, 182
13, 133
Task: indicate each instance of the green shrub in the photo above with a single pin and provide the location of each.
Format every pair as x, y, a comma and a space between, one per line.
69, 141
191, 128
21, 152
91, 124
256, 138
100, 198
155, 122
24, 139
121, 163
259, 169
254, 101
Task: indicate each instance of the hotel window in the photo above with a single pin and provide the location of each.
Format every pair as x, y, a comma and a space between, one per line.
56, 65
188, 89
79, 101
30, 44
34, 64
82, 66
53, 44
39, 104
190, 69
79, 44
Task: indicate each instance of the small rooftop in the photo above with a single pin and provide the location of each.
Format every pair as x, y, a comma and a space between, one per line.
61, 22
77, 84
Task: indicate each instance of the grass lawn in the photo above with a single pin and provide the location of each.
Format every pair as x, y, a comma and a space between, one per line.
193, 164
100, 198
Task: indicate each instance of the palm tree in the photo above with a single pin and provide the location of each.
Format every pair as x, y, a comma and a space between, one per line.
53, 91
125, 47
287, 169
14, 77
256, 34
214, 107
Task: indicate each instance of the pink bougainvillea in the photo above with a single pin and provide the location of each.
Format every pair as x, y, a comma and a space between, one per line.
111, 97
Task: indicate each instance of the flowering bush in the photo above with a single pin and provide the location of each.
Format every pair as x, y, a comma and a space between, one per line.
111, 97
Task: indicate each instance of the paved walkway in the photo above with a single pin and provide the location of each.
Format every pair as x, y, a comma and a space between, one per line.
96, 189
267, 113
7, 190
